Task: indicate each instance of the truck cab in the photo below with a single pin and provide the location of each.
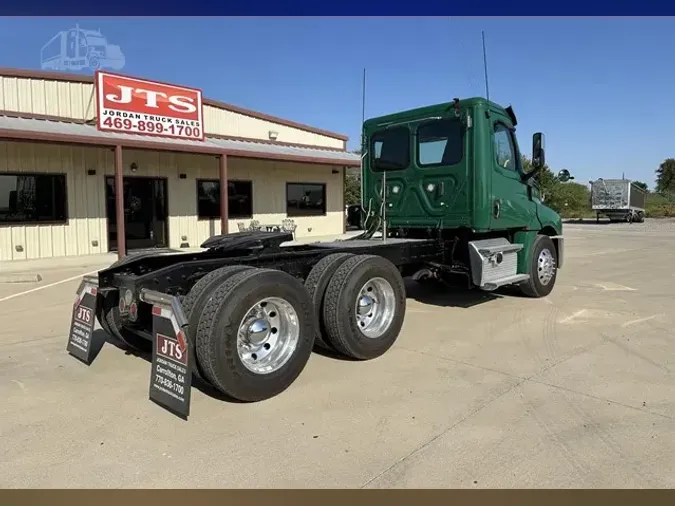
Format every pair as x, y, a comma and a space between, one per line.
455, 170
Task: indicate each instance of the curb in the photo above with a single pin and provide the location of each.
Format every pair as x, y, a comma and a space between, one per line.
20, 277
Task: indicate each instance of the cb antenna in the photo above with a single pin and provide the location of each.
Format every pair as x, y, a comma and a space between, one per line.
363, 147
487, 88
363, 102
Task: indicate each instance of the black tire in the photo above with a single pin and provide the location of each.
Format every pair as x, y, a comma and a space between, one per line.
219, 325
111, 316
316, 284
194, 302
100, 303
343, 331
534, 287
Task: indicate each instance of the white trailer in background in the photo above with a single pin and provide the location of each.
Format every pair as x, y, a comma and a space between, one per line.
618, 200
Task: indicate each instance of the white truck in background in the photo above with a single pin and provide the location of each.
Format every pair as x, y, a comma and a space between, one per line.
618, 200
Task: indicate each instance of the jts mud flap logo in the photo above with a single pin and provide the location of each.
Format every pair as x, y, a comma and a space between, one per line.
82, 323
173, 349
171, 377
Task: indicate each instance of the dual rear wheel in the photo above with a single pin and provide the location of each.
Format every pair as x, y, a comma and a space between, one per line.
253, 330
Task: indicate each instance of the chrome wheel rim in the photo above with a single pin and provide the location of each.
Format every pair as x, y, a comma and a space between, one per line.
268, 335
545, 267
375, 307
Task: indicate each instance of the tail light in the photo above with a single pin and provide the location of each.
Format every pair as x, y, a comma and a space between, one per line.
126, 299
133, 311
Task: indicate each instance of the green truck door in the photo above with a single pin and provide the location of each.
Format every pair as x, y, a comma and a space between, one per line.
511, 206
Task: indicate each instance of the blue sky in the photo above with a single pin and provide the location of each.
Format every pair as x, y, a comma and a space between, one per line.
602, 89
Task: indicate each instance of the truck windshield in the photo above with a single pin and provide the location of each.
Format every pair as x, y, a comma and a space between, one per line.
390, 149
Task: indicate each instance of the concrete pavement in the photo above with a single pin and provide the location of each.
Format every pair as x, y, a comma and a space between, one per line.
481, 390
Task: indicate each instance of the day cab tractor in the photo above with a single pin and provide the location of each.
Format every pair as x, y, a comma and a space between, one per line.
444, 197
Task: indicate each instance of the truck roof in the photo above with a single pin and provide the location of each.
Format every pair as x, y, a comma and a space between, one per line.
432, 110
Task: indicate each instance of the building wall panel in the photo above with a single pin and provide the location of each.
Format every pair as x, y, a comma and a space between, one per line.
10, 91
86, 222
222, 122
86, 231
38, 97
53, 98
76, 101
269, 180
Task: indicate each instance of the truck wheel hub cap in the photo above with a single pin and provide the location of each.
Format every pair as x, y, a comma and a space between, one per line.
365, 305
258, 332
268, 335
545, 267
375, 308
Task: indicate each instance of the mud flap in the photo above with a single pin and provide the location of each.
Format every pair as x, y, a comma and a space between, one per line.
172, 363
83, 320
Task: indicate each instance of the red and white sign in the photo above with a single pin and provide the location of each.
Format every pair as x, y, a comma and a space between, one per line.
136, 106
171, 349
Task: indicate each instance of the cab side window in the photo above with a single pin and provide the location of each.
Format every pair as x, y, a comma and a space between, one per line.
505, 152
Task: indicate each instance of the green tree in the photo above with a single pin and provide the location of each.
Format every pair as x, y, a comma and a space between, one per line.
665, 176
570, 200
353, 183
352, 190
545, 179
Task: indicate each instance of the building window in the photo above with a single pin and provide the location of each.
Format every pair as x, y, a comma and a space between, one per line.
33, 198
239, 199
305, 199
439, 143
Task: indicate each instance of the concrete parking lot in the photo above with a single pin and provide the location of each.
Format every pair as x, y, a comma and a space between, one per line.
573, 390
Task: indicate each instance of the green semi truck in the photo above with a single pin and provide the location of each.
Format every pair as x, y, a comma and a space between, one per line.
444, 197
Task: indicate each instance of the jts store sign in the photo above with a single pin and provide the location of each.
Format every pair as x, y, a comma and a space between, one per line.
143, 107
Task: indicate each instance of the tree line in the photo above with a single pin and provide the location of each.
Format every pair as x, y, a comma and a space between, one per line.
570, 199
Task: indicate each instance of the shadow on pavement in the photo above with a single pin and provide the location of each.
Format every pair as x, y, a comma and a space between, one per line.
439, 294
592, 222
102, 336
332, 354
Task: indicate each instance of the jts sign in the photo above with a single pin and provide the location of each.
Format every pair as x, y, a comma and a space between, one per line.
145, 107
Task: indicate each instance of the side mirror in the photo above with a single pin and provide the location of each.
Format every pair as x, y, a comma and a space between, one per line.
538, 151
564, 176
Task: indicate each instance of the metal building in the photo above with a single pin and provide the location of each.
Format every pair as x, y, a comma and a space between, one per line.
60, 174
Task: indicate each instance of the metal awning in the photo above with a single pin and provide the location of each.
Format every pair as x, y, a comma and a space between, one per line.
44, 130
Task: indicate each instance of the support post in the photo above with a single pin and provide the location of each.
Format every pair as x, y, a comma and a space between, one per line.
119, 203
344, 206
222, 165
